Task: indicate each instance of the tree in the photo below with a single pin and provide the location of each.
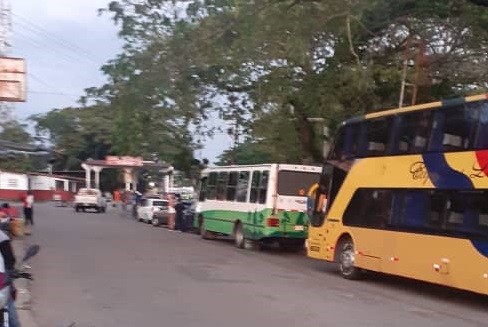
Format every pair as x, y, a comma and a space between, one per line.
247, 153
185, 62
77, 134
14, 135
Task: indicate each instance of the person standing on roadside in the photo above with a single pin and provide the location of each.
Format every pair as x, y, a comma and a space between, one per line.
180, 214
28, 203
171, 212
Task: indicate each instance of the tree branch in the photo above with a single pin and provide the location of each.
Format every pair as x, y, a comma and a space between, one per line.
349, 37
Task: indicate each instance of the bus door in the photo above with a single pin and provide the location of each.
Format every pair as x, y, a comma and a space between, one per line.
330, 183
291, 201
257, 198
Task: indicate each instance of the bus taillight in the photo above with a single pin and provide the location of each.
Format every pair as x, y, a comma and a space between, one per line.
273, 222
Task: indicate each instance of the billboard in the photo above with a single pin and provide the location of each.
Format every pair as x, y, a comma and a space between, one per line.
12, 79
124, 161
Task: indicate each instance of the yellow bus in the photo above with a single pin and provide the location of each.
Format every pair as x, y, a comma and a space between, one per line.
407, 195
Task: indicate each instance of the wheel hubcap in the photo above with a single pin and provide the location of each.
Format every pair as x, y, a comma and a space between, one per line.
347, 260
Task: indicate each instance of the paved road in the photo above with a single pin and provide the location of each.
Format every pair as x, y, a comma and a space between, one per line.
104, 270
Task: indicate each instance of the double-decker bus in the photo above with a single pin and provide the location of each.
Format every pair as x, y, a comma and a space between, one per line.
407, 195
257, 203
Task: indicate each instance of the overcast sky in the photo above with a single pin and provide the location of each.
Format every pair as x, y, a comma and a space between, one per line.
65, 43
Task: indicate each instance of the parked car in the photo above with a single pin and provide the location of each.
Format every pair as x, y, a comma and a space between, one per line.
90, 198
149, 206
161, 217
189, 214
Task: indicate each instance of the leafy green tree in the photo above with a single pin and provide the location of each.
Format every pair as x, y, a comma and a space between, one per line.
77, 134
247, 153
286, 62
15, 136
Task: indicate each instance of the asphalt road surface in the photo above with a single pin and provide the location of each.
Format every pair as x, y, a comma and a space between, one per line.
104, 270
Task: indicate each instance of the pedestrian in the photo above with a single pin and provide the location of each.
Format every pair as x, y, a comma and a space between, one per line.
116, 198
28, 204
180, 214
171, 212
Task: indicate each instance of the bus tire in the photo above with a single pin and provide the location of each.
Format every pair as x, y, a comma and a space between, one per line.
204, 233
347, 259
239, 239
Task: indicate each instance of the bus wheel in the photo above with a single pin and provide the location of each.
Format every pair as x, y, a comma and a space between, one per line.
347, 261
239, 239
204, 233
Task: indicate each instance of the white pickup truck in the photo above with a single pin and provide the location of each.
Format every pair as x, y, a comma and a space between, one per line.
89, 198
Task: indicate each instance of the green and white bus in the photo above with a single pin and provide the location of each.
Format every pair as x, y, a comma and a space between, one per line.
262, 203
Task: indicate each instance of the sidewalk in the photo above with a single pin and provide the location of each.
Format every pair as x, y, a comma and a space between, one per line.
24, 299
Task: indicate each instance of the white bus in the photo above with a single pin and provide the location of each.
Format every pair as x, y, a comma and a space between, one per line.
265, 202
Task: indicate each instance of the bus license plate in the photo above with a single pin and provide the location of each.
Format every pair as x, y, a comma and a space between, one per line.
299, 228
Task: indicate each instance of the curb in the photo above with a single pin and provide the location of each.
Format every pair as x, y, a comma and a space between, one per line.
24, 298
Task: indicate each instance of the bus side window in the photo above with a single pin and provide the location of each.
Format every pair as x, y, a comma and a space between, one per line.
464, 211
482, 137
338, 151
413, 132
221, 185
378, 133
211, 186
351, 139
454, 128
415, 208
369, 208
336, 180
439, 203
231, 186
242, 186
256, 178
362, 142
263, 187
203, 189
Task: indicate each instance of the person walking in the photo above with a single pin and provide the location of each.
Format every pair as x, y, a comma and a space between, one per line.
180, 215
171, 212
28, 203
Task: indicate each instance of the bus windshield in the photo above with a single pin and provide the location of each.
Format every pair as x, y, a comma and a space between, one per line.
296, 183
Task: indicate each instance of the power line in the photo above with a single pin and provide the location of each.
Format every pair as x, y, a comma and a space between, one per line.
55, 91
67, 57
62, 42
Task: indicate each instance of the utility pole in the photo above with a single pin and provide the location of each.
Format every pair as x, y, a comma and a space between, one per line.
419, 77
5, 27
5, 31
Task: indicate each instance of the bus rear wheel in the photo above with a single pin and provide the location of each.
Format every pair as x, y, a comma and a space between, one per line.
204, 233
239, 239
347, 261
